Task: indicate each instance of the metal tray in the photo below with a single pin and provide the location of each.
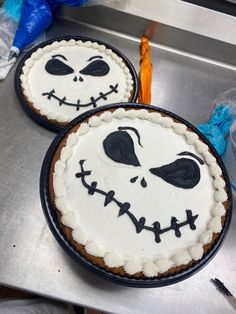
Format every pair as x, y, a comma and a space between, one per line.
193, 62
39, 118
51, 216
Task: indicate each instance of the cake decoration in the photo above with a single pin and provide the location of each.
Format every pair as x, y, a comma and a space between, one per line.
68, 76
138, 205
78, 105
124, 208
119, 146
183, 173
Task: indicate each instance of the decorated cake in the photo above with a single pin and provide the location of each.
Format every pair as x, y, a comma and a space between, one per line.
137, 192
68, 77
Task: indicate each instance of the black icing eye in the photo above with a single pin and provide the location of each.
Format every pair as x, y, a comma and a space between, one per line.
58, 67
96, 68
182, 173
119, 146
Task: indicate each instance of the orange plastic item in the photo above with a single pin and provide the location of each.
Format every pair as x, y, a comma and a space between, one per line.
145, 76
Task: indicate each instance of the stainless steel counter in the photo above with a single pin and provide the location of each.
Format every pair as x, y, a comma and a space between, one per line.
30, 258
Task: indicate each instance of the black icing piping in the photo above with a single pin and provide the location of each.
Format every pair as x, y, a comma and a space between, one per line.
192, 155
124, 209
93, 101
183, 173
119, 147
122, 128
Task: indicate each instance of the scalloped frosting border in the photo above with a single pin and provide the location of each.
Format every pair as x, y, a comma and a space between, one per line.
29, 63
111, 257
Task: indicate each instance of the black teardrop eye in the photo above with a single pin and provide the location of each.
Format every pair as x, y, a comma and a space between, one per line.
182, 173
96, 68
57, 67
119, 146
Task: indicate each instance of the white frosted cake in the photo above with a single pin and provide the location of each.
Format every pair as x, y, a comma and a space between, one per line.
66, 78
138, 193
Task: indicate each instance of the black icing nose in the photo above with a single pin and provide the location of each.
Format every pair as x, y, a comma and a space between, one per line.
75, 79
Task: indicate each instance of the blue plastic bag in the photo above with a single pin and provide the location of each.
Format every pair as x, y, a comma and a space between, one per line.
12, 9
36, 16
218, 127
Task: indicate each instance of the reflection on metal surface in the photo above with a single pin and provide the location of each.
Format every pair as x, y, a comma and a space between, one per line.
29, 255
151, 30
185, 16
223, 6
169, 38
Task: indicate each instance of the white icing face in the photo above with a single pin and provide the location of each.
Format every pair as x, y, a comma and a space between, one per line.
138, 189
65, 79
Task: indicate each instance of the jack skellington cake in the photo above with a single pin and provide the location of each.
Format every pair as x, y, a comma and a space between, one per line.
65, 78
137, 192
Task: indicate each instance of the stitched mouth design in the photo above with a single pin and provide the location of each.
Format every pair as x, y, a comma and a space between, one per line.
93, 101
124, 209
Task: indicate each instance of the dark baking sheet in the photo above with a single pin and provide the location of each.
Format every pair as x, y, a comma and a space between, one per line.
39, 118
51, 216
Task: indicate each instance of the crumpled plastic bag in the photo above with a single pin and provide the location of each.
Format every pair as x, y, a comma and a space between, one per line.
12, 9
36, 16
223, 116
7, 30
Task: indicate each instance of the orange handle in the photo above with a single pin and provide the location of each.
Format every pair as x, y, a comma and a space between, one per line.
145, 75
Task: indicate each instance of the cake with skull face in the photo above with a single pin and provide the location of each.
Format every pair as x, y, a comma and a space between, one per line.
137, 192
66, 78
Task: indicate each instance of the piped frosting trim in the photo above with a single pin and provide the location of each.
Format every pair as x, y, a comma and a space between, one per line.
158, 265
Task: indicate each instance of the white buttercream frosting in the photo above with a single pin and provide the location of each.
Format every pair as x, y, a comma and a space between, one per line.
150, 269
132, 266
69, 219
179, 128
218, 210
79, 236
221, 195
181, 258
209, 158
215, 170
196, 251
163, 264
191, 137
112, 259
83, 129
114, 238
74, 87
219, 183
59, 167
58, 185
61, 204
94, 249
215, 224
206, 237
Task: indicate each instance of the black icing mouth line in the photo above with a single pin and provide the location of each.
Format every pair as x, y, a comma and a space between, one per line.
124, 209
93, 101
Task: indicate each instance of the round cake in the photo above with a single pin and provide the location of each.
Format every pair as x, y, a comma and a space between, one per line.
137, 192
66, 78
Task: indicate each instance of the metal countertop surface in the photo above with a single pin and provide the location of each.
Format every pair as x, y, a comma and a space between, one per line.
30, 257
